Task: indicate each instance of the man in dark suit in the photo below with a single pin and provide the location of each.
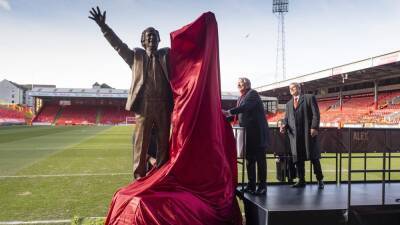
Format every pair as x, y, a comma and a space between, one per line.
251, 116
150, 94
301, 123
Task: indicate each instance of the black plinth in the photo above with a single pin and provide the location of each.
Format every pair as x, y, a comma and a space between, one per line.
283, 205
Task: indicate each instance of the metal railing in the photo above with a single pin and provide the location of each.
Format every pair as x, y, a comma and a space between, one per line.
339, 157
241, 150
384, 156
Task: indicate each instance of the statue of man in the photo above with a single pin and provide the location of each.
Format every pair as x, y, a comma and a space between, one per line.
150, 94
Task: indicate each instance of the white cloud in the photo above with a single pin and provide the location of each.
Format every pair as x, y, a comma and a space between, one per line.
4, 4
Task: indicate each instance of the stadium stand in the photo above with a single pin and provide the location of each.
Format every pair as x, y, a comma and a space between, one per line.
12, 115
369, 89
82, 115
47, 114
77, 114
359, 83
357, 109
274, 117
114, 115
326, 105
98, 105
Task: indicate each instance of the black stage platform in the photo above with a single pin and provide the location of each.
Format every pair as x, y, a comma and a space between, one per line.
283, 205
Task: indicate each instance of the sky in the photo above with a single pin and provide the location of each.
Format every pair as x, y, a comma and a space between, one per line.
54, 42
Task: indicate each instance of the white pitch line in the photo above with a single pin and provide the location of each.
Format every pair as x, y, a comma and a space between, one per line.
66, 175
34, 222
99, 174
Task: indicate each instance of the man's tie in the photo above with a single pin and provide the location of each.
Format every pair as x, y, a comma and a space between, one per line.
235, 118
296, 103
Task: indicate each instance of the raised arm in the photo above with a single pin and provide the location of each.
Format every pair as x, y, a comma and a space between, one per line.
122, 49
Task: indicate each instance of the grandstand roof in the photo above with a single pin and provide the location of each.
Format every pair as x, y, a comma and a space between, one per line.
230, 95
105, 93
373, 68
30, 86
79, 92
235, 95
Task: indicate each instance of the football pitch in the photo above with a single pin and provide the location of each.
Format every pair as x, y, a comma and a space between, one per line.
56, 173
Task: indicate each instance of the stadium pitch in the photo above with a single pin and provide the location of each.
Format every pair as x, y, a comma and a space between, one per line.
56, 173
53, 173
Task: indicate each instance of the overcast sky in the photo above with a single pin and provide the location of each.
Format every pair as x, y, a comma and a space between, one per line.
53, 41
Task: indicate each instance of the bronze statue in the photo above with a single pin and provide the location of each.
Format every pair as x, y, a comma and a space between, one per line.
150, 94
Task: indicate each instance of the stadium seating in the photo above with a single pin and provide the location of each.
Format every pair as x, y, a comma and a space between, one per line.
114, 114
352, 110
359, 109
47, 114
83, 114
387, 96
274, 117
6, 113
11, 116
326, 105
77, 114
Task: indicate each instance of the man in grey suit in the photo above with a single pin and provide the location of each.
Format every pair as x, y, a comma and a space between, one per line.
301, 123
150, 94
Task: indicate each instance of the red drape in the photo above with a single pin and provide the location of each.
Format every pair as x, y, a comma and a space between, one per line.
197, 185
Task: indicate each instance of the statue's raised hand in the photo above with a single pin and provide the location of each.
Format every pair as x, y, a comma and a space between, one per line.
97, 16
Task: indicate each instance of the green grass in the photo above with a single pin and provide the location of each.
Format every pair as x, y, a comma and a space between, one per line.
24, 146
88, 221
61, 150
57, 197
102, 151
96, 161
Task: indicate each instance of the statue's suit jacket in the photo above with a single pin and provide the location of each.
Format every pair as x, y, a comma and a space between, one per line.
137, 61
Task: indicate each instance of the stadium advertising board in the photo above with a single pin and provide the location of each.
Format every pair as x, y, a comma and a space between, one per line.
333, 140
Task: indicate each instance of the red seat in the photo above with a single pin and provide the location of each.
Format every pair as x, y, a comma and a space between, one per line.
77, 114
47, 114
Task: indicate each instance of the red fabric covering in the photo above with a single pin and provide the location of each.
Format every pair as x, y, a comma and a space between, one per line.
197, 185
